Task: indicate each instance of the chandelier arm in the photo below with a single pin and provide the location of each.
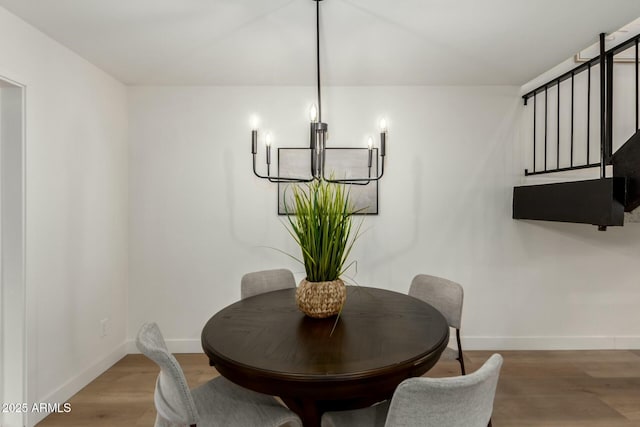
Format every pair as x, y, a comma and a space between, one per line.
347, 182
278, 179
356, 181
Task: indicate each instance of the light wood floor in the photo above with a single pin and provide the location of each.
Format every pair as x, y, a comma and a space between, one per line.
536, 388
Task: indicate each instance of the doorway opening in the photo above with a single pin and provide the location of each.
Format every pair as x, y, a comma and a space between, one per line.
12, 256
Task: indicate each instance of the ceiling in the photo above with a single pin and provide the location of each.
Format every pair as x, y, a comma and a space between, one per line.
364, 42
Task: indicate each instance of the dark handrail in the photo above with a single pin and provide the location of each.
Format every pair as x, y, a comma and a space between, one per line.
580, 68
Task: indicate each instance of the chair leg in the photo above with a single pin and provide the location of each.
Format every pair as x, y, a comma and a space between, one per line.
460, 356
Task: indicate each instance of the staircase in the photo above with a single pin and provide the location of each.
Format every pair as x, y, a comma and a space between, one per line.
602, 201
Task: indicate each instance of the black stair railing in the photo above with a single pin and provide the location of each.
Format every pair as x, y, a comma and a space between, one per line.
605, 63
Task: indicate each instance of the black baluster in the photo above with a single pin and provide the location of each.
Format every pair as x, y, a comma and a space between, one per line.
609, 109
558, 131
545, 127
588, 110
534, 131
571, 155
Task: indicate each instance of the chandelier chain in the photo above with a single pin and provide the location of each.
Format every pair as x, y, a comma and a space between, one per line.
318, 59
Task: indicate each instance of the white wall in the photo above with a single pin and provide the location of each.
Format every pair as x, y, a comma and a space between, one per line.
199, 219
76, 198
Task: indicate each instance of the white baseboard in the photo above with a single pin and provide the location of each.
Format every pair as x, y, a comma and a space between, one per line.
552, 343
75, 384
628, 343
174, 346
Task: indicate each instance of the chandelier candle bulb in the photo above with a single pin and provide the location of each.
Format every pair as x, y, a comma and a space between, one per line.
255, 121
267, 144
370, 145
383, 136
254, 141
313, 113
313, 136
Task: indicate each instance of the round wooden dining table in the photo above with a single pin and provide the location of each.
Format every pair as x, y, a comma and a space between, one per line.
264, 343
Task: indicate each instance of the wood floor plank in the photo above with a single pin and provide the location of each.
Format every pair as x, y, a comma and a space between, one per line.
627, 405
536, 388
555, 409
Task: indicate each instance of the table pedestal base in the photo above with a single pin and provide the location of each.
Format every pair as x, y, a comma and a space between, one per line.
307, 410
310, 411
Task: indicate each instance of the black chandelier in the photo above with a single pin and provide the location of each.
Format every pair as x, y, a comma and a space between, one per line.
318, 139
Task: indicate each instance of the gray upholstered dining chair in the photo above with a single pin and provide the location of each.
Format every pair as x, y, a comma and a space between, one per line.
218, 402
464, 401
260, 282
447, 297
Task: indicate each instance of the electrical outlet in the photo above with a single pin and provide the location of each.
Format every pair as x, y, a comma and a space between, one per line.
105, 325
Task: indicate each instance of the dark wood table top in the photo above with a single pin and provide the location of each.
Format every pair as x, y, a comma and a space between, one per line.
382, 337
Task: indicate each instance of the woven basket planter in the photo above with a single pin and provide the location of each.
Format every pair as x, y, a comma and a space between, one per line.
321, 299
